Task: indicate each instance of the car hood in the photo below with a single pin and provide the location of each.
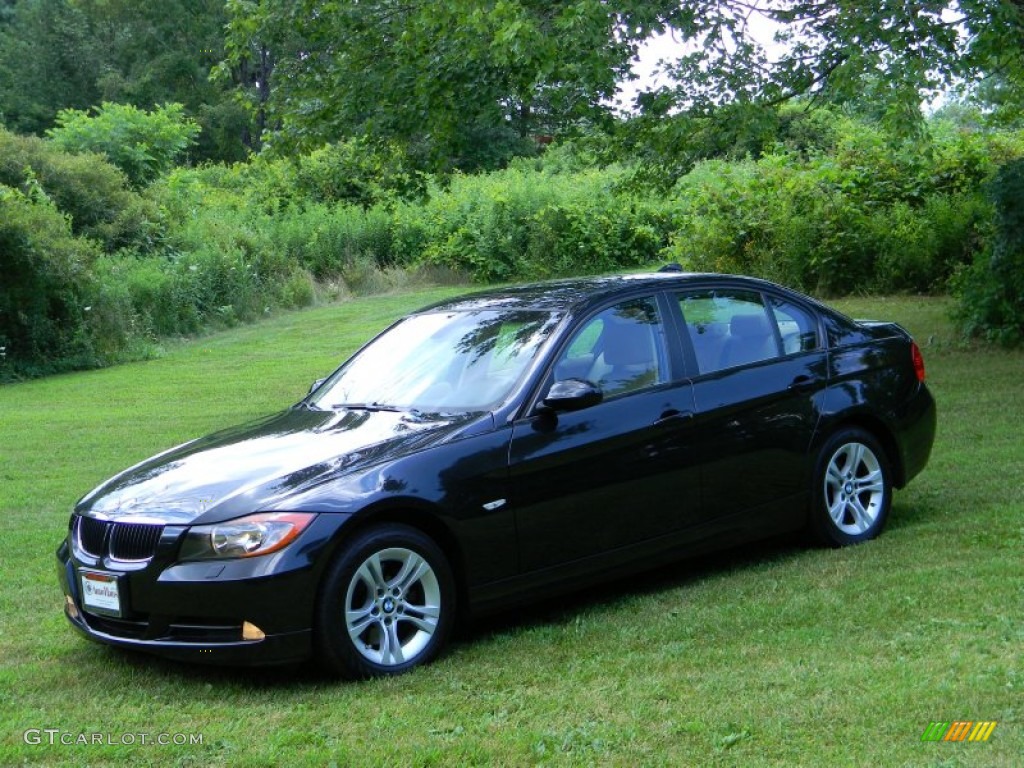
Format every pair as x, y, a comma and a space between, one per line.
258, 466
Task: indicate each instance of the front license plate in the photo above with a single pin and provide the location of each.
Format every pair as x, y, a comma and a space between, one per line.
101, 593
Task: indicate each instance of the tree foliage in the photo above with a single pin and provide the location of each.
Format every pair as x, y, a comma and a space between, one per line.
464, 85
460, 85
49, 60
75, 54
735, 62
46, 268
468, 85
887, 51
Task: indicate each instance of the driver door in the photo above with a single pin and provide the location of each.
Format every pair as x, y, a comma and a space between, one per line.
614, 474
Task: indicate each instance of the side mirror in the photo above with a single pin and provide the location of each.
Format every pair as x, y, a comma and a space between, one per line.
314, 385
572, 395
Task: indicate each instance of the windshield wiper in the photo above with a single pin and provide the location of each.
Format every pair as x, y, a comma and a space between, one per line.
366, 407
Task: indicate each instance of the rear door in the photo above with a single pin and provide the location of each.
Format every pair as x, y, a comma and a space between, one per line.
761, 376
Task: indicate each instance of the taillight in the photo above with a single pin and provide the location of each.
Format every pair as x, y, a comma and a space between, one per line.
918, 359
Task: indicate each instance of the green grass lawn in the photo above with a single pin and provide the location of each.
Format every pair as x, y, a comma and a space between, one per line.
769, 655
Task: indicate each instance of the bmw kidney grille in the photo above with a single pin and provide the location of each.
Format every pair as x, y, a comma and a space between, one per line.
126, 542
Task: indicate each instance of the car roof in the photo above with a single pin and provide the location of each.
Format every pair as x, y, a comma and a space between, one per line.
578, 293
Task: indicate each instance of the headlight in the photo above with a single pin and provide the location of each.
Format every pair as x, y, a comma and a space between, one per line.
248, 536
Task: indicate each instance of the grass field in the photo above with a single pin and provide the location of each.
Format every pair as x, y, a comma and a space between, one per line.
770, 655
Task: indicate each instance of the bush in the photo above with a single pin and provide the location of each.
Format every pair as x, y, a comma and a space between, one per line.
358, 173
833, 206
771, 218
324, 239
991, 290
153, 295
92, 192
46, 291
920, 248
512, 224
874, 216
144, 145
524, 224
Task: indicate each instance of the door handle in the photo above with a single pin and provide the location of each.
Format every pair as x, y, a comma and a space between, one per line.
802, 383
675, 417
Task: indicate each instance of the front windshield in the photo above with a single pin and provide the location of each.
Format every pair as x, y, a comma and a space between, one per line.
440, 361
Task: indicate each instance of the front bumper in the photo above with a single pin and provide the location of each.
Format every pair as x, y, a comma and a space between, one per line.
272, 649
235, 612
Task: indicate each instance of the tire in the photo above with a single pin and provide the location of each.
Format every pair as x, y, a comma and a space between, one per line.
852, 489
386, 604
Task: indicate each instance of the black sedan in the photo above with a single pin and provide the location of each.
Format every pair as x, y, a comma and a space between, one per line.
497, 448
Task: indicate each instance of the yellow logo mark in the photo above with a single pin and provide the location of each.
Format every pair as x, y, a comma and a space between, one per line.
982, 731
959, 730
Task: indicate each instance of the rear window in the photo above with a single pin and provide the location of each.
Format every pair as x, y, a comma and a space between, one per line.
728, 328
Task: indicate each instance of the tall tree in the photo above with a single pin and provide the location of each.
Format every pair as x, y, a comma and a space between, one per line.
159, 53
460, 84
49, 60
815, 46
734, 61
447, 77
73, 54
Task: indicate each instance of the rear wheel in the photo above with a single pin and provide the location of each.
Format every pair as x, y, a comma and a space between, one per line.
386, 605
853, 489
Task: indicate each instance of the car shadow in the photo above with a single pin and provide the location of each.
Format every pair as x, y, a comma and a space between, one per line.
911, 514
691, 570
262, 677
557, 610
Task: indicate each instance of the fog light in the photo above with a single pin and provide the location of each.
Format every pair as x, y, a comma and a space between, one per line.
252, 632
70, 606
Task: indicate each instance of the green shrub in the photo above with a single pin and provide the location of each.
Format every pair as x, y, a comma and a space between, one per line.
834, 206
154, 293
873, 217
594, 234
920, 248
298, 289
512, 224
45, 306
323, 239
519, 223
142, 144
359, 173
92, 192
991, 290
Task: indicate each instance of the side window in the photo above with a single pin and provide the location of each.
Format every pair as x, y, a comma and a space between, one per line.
798, 329
727, 328
621, 349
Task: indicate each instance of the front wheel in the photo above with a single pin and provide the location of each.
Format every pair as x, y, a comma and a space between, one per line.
386, 605
853, 489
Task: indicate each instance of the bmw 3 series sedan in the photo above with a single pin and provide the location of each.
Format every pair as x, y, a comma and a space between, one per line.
497, 448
